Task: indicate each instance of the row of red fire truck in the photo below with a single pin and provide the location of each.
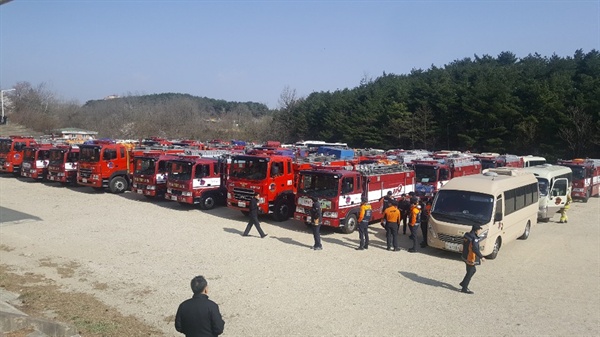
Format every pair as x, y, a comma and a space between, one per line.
284, 179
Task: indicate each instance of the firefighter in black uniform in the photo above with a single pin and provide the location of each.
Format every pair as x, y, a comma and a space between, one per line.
316, 221
254, 217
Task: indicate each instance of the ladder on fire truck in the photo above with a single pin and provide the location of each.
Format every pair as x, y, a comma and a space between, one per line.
460, 160
373, 169
208, 153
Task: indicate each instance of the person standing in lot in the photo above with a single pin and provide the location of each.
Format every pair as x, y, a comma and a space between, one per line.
391, 218
425, 210
199, 316
404, 206
254, 217
471, 255
563, 211
316, 216
364, 216
415, 221
387, 200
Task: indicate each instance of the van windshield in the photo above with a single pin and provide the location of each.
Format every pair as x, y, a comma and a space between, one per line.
543, 186
463, 207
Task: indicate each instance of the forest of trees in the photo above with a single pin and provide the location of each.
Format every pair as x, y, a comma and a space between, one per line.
538, 105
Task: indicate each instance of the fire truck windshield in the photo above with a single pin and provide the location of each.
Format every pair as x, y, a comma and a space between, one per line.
29, 155
425, 174
89, 154
144, 165
319, 184
463, 207
578, 172
56, 157
249, 168
5, 145
180, 170
487, 164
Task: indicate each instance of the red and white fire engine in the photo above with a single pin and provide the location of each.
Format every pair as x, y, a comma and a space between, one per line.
64, 160
11, 153
194, 179
494, 160
432, 174
35, 161
150, 171
272, 174
340, 191
105, 164
586, 177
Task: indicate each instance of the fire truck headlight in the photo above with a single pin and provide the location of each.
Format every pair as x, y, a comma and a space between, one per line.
169, 191
186, 193
151, 187
229, 195
60, 174
134, 185
330, 215
299, 209
95, 176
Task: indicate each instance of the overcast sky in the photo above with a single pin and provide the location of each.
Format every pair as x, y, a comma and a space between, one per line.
251, 50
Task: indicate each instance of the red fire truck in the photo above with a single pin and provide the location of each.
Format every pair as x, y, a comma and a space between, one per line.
11, 153
150, 171
105, 164
35, 161
193, 179
64, 160
586, 177
494, 160
272, 175
340, 191
432, 174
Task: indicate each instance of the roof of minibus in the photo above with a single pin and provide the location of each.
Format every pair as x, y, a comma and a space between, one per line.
547, 170
489, 184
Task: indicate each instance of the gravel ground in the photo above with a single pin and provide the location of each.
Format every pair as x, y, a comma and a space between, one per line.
145, 252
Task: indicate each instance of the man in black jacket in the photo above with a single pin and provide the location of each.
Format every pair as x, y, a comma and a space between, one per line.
471, 255
254, 217
199, 316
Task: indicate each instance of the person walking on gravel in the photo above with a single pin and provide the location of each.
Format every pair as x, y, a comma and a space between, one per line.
471, 255
254, 217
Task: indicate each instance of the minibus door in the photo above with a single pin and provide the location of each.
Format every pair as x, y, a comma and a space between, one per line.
558, 195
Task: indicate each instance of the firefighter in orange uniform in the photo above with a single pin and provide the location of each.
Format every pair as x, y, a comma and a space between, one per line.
364, 216
415, 221
391, 219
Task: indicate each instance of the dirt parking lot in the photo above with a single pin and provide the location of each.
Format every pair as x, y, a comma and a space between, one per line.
138, 256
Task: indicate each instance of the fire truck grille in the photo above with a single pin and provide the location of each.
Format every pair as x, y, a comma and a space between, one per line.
450, 238
2, 161
243, 193
85, 173
176, 192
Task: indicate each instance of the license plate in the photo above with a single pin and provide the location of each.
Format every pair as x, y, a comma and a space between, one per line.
174, 197
455, 247
140, 192
308, 219
241, 204
83, 180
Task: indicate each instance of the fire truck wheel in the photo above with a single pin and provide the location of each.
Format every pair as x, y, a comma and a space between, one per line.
497, 246
526, 232
587, 196
118, 185
282, 209
208, 202
351, 223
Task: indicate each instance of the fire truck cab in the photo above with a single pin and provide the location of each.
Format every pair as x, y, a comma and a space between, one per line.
62, 167
105, 164
432, 174
495, 160
340, 190
196, 180
11, 153
586, 177
150, 172
35, 161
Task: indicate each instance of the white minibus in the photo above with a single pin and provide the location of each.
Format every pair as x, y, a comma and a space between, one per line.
554, 184
503, 201
532, 160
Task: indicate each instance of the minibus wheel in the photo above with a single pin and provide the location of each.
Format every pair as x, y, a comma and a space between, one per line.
526, 232
497, 246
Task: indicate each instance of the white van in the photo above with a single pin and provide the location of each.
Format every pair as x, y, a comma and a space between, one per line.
554, 184
503, 201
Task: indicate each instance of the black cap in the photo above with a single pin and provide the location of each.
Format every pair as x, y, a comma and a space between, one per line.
364, 199
475, 228
389, 193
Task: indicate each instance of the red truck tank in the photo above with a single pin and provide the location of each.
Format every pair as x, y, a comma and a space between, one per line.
586, 177
105, 164
274, 176
340, 191
432, 174
64, 160
35, 161
193, 179
11, 153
